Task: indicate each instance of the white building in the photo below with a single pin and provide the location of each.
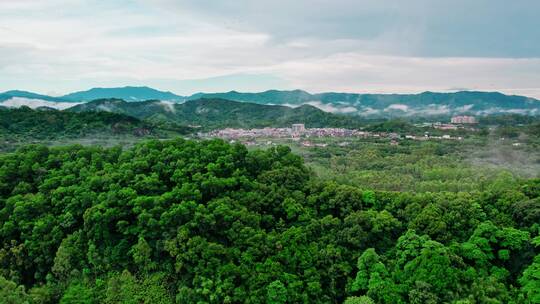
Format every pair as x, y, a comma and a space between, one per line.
298, 128
463, 120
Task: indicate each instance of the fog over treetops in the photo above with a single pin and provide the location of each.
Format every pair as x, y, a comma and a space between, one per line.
371, 105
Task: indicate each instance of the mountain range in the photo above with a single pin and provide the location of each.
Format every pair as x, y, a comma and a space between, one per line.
367, 105
210, 113
125, 93
395, 105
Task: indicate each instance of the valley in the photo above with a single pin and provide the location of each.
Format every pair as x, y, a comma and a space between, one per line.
370, 106
269, 152
154, 197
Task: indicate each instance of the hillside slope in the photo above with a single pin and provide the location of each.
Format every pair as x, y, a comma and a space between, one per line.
24, 125
392, 105
217, 113
367, 105
49, 123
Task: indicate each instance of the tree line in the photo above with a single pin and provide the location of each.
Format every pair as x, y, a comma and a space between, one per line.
183, 221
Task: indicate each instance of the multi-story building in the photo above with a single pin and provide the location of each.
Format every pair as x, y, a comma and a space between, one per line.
463, 120
298, 128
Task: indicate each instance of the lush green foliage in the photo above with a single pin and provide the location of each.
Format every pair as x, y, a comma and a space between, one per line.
395, 105
46, 124
221, 113
25, 125
412, 106
208, 222
410, 166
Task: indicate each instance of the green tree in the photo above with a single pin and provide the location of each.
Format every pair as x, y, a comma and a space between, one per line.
10, 293
78, 293
276, 293
359, 300
530, 281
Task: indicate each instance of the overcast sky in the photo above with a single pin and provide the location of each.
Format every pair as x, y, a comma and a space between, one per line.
187, 46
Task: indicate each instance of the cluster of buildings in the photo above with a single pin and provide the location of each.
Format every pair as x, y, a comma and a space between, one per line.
463, 120
296, 130
300, 130
301, 134
231, 133
444, 126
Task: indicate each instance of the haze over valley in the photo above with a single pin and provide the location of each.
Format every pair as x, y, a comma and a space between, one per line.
269, 152
369, 105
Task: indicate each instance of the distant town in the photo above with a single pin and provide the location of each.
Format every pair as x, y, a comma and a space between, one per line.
298, 132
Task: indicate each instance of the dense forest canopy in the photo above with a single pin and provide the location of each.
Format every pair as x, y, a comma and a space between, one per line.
49, 123
24, 125
218, 113
412, 106
208, 222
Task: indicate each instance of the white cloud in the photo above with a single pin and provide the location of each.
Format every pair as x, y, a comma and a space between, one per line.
369, 111
105, 108
356, 72
465, 108
17, 102
332, 108
325, 107
433, 110
400, 107
511, 111
168, 105
68, 45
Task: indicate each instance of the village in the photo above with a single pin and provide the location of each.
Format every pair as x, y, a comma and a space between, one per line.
305, 136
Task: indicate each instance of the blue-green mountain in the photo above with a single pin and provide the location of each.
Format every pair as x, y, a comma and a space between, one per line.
28, 95
366, 105
125, 93
217, 113
395, 105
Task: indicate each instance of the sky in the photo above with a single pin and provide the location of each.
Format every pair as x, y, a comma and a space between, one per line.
187, 46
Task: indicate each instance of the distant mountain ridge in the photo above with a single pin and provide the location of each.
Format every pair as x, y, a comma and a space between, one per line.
125, 93
392, 105
368, 105
29, 95
217, 113
295, 97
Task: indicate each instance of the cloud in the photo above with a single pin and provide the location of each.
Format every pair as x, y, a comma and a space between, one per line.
186, 46
325, 107
465, 108
366, 111
17, 102
361, 73
332, 108
511, 111
433, 109
399, 107
105, 108
168, 105
417, 27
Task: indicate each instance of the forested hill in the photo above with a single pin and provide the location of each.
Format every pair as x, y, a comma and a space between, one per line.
27, 125
426, 104
395, 105
208, 222
295, 97
218, 113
